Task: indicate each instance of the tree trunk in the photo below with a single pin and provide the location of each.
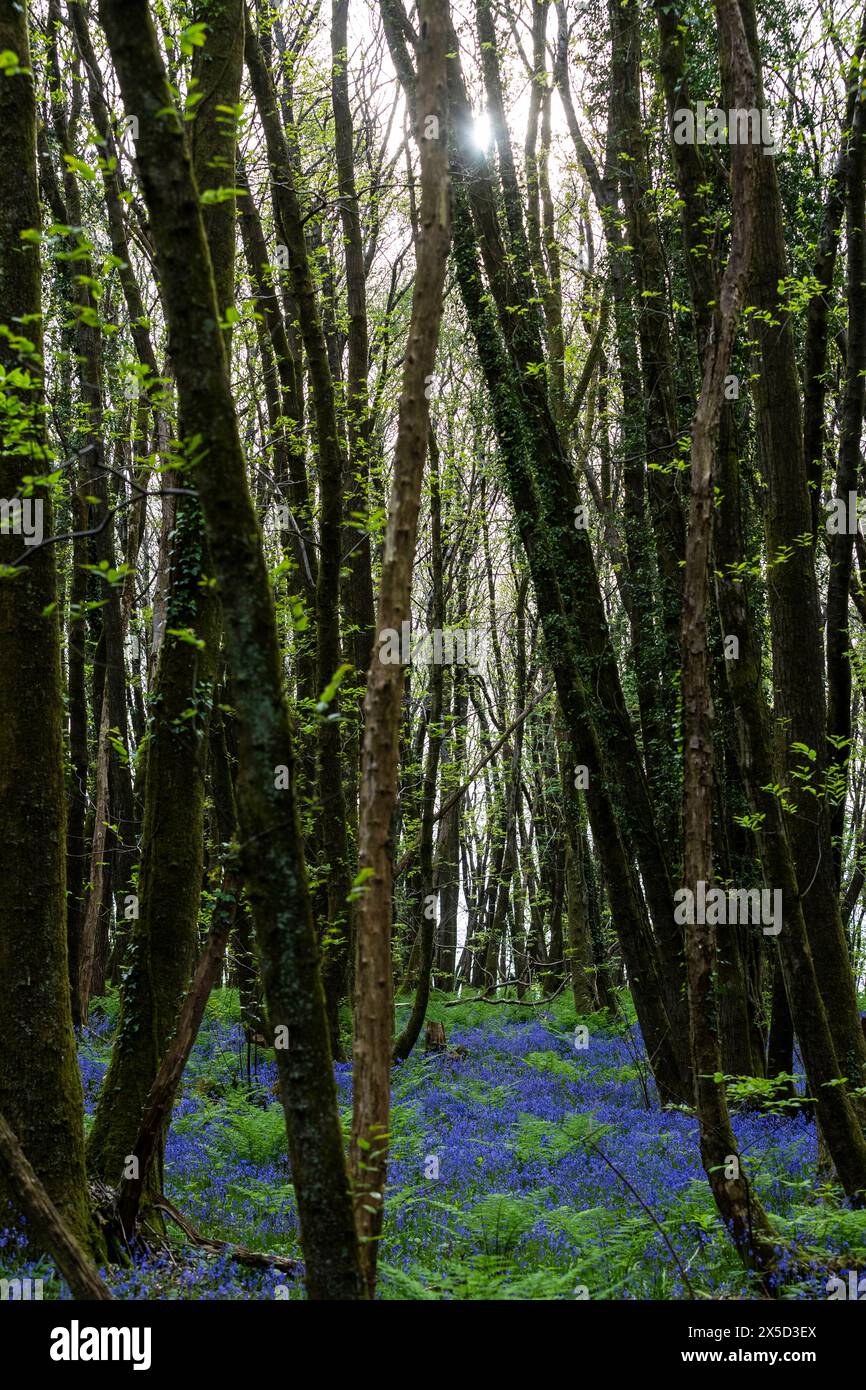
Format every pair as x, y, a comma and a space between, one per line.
163, 942
373, 984
40, 1086
273, 861
741, 1212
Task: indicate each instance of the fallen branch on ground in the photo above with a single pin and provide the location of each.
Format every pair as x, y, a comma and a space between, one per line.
256, 1259
517, 1003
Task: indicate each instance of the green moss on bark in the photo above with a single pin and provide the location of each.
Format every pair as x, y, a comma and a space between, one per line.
40, 1087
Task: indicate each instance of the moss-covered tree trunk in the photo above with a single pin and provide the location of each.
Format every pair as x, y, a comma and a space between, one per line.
40, 1088
272, 853
737, 1204
566, 638
579, 951
113, 843
757, 765
332, 838
161, 951
794, 608
839, 673
358, 600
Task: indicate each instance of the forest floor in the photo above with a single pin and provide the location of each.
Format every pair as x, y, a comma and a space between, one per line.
527, 1168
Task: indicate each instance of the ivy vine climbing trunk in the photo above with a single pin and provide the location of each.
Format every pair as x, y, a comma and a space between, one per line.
161, 950
738, 1206
332, 839
40, 1088
272, 859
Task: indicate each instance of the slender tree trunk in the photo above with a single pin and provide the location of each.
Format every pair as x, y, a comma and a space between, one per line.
373, 984
738, 1206
429, 898
332, 832
839, 678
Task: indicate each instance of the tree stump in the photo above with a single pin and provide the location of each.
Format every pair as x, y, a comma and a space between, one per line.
434, 1038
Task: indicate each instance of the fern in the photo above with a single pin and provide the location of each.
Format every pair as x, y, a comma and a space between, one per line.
501, 1219
259, 1136
553, 1065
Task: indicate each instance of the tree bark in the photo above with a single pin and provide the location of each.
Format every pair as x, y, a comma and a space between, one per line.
40, 1086
163, 941
373, 983
272, 861
49, 1228
740, 1210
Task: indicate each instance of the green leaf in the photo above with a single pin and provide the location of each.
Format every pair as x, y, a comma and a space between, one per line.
185, 634
78, 166
192, 37
10, 65
220, 195
332, 687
